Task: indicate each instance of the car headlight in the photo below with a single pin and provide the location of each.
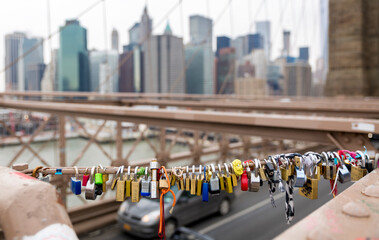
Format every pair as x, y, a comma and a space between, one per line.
123, 207
153, 216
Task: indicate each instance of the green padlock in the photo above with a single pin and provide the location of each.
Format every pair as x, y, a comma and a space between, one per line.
98, 177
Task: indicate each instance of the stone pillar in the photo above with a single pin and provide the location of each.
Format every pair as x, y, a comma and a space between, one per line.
353, 48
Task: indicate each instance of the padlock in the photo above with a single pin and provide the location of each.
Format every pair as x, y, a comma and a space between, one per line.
105, 179
199, 182
254, 181
116, 178
214, 183
173, 180
145, 184
90, 187
344, 174
128, 184
154, 191
221, 178
262, 173
98, 177
310, 189
85, 179
285, 172
193, 181
136, 185
120, 186
244, 181
98, 189
233, 176
163, 182
300, 177
228, 180
187, 182
205, 187
90, 191
45, 179
76, 185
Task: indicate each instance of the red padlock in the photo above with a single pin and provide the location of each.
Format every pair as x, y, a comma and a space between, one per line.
85, 179
244, 181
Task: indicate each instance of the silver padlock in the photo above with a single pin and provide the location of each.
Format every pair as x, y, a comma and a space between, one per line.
301, 178
145, 184
214, 182
90, 188
344, 174
154, 190
255, 180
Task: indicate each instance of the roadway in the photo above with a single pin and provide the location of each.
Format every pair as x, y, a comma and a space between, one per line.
251, 216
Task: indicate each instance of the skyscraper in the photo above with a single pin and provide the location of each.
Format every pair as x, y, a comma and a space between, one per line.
222, 42
264, 29
73, 69
297, 79
49, 80
240, 45
225, 71
164, 64
12, 48
134, 34
103, 76
286, 43
201, 34
254, 41
30, 67
304, 54
115, 45
194, 58
324, 18
146, 26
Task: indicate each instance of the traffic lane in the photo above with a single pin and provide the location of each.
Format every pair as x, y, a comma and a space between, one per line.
263, 222
267, 222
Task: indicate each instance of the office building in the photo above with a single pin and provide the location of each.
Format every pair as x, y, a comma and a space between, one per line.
104, 71
12, 48
254, 41
225, 71
134, 34
146, 26
73, 67
240, 46
250, 86
264, 29
164, 67
286, 43
222, 42
194, 58
49, 80
258, 59
297, 79
304, 54
115, 44
274, 77
201, 33
31, 66
131, 71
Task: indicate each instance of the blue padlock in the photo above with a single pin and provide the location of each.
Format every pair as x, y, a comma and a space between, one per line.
205, 186
76, 185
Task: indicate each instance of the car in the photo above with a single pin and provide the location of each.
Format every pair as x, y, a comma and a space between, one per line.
142, 219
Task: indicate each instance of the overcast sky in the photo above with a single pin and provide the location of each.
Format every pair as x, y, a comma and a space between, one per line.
301, 17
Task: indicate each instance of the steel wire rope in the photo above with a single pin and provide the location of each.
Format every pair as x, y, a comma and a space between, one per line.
49, 37
280, 26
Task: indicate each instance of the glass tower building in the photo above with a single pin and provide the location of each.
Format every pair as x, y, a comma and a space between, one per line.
73, 67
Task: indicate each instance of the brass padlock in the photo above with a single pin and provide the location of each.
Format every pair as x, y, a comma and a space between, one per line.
228, 180
128, 184
199, 182
221, 177
120, 186
193, 181
136, 185
234, 177
163, 182
310, 189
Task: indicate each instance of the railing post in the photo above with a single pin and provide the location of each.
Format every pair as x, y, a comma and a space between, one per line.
119, 141
62, 157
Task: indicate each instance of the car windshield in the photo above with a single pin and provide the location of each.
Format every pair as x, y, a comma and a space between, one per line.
168, 196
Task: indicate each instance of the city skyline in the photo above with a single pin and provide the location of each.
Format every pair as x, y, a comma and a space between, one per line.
179, 28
